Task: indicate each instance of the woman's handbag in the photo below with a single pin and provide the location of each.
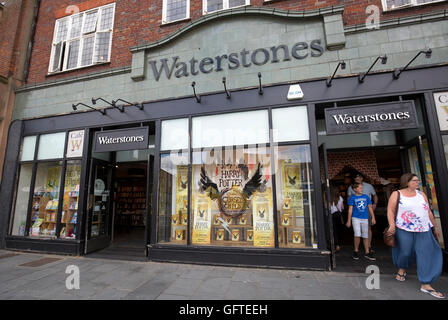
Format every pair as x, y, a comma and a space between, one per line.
389, 237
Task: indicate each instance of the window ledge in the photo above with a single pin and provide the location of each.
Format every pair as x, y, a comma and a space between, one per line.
410, 5
175, 22
204, 13
77, 69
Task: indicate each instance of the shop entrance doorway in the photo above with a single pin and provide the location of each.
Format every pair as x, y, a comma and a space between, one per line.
119, 201
381, 157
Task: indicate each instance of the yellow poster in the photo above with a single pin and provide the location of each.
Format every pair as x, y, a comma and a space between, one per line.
53, 176
202, 220
72, 177
292, 191
263, 228
182, 194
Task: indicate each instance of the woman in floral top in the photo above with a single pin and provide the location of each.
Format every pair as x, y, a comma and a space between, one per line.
413, 235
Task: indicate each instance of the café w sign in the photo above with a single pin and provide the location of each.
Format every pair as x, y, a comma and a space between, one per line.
367, 118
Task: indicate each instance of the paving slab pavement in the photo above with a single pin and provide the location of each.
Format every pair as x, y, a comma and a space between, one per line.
106, 279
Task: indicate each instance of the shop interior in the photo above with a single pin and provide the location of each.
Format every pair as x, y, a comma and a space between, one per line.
381, 157
129, 204
118, 202
121, 220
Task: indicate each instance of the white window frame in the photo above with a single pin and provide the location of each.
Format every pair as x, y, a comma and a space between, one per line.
65, 43
412, 3
225, 6
165, 9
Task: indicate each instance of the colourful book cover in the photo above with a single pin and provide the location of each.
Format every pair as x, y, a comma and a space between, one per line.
236, 235
220, 234
297, 237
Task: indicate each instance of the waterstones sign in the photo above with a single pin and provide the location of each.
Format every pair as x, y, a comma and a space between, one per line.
120, 140
234, 60
367, 118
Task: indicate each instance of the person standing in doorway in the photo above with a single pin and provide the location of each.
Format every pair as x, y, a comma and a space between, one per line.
337, 206
368, 190
359, 210
411, 219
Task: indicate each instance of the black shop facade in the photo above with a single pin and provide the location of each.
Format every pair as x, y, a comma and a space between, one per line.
235, 177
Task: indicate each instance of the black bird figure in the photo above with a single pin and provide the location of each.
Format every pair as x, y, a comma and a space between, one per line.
292, 181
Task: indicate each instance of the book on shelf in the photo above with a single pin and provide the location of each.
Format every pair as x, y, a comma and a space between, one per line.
220, 234
74, 218
236, 235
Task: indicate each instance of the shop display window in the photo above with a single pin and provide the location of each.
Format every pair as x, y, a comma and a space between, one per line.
432, 196
28, 148
290, 124
22, 198
46, 200
51, 210
295, 194
174, 135
69, 217
232, 197
231, 129
445, 147
232, 202
173, 198
51, 146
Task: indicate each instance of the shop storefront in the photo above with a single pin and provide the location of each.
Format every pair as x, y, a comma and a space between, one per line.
240, 184
201, 173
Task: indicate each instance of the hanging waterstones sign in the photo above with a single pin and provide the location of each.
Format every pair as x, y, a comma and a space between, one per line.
119, 140
75, 144
367, 118
441, 100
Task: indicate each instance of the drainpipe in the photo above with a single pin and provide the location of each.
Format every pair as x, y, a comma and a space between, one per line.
31, 42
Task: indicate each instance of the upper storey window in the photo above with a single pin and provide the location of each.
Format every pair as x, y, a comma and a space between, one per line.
175, 10
399, 4
82, 39
210, 6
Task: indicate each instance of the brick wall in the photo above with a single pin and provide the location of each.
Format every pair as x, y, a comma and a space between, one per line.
15, 31
138, 22
362, 161
8, 26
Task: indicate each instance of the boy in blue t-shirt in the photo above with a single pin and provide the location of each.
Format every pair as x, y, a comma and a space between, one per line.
360, 206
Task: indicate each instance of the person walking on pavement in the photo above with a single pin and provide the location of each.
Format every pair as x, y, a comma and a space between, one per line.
368, 190
359, 210
411, 219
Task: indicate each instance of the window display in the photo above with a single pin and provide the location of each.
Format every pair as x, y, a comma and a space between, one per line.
232, 199
295, 194
46, 200
173, 199
71, 197
445, 147
22, 198
28, 148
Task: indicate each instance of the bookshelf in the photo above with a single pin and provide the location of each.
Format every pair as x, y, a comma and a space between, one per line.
131, 203
69, 215
44, 215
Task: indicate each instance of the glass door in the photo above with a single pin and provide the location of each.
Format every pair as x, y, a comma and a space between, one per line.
325, 185
419, 162
99, 220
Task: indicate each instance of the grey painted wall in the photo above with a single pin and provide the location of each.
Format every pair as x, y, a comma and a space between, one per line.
401, 43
